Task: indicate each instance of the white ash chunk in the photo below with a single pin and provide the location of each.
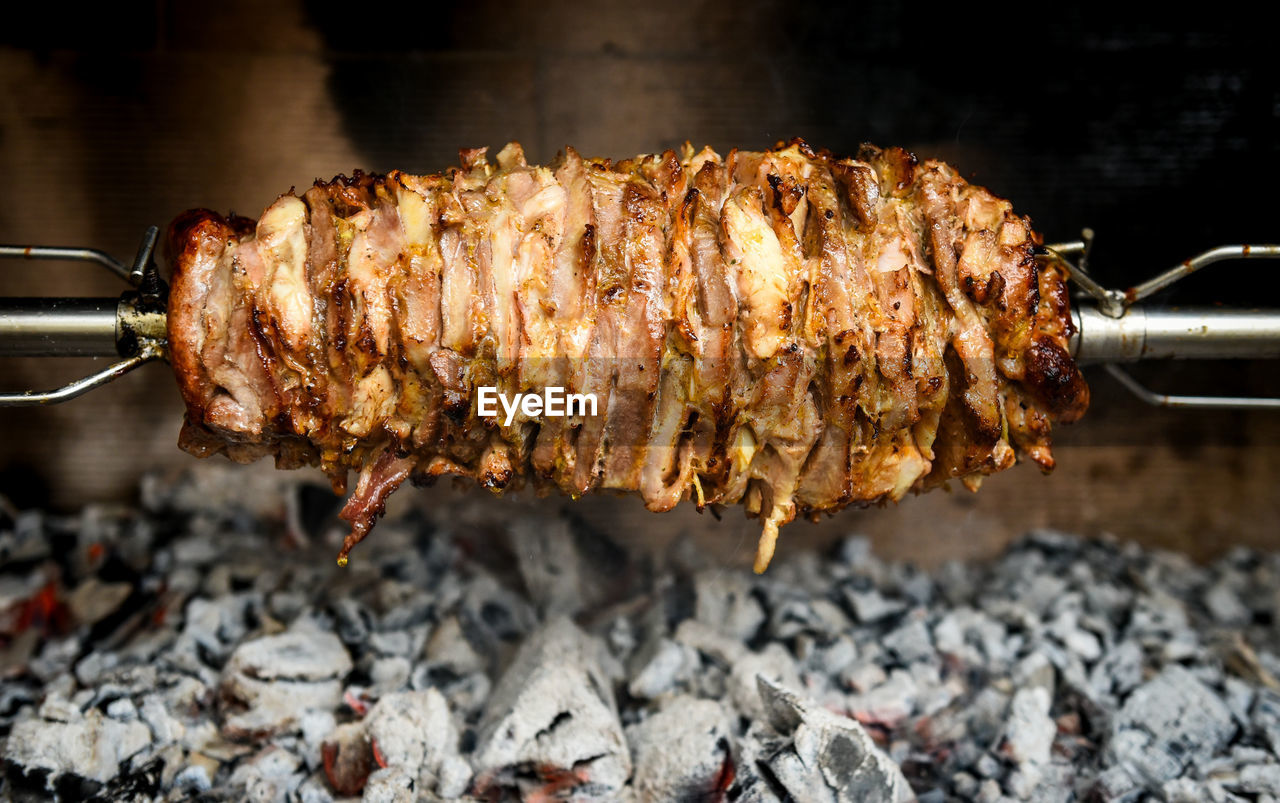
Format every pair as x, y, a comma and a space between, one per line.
554, 710
1167, 721
91, 745
1260, 779
659, 666
269, 683
1224, 605
724, 600
681, 752
271, 776
870, 606
389, 785
709, 641
773, 662
1029, 731
415, 732
911, 642
314, 790
830, 757
888, 703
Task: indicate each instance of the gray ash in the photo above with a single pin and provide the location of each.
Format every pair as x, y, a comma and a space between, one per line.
206, 646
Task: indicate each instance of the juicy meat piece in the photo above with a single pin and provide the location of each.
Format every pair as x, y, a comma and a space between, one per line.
783, 330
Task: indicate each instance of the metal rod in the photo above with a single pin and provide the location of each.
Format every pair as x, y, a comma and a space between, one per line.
1219, 254
143, 258
1190, 402
1198, 333
49, 252
58, 327
34, 398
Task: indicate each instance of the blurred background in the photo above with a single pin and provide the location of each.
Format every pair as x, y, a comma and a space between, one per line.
1161, 135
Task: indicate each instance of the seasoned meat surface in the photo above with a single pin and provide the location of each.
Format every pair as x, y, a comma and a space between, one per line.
785, 330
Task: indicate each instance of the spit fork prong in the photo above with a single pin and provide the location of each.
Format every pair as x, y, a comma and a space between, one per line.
131, 327
1117, 329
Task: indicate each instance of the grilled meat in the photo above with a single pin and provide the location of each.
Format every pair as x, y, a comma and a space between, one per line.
785, 330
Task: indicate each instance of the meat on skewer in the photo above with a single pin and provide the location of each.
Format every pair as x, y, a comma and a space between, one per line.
784, 330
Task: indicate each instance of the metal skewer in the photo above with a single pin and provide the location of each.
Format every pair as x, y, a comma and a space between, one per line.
1111, 330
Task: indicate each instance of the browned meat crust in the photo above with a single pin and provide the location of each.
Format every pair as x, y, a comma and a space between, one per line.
785, 330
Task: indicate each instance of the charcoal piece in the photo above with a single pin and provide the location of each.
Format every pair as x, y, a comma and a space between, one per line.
553, 714
829, 757
724, 601
910, 642
1116, 784
710, 642
54, 658
1119, 671
415, 731
494, 616
270, 682
193, 779
389, 785
870, 606
449, 648
753, 780
775, 663
388, 675
1265, 717
60, 740
889, 702
314, 727
1035, 671
862, 676
93, 600
314, 790
659, 666
682, 752
833, 656
1224, 605
348, 758
391, 643
793, 615
964, 784
1029, 731
352, 621
1259, 779
988, 766
271, 775
1167, 721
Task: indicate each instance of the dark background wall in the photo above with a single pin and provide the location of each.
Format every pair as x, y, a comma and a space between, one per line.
1160, 133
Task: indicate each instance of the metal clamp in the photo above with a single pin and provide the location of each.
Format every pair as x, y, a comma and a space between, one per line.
131, 327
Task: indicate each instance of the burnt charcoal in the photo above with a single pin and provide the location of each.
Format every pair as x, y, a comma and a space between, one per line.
1029, 731
726, 601
829, 757
199, 649
271, 775
270, 682
682, 752
660, 666
91, 746
415, 732
348, 758
352, 622
553, 709
1166, 722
